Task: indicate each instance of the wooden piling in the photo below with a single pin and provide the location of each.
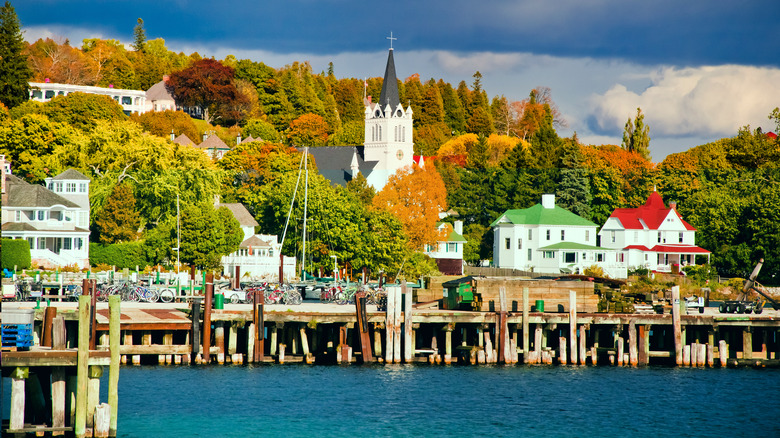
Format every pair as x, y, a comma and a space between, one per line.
678, 342
583, 347
113, 370
82, 368
362, 325
195, 339
48, 318
219, 340
723, 353
526, 332
562, 350
620, 348
390, 325
747, 343
102, 421
538, 343
633, 351
573, 326
258, 318
686, 355
408, 345
58, 377
448, 343
209, 296
396, 324
93, 393
644, 345
18, 377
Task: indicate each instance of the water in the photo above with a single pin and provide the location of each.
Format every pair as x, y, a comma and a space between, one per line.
456, 401
414, 401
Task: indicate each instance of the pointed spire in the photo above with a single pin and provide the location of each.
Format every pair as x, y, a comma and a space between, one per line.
389, 95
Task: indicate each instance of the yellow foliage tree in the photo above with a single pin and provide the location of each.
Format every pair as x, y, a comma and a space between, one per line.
415, 195
499, 147
460, 145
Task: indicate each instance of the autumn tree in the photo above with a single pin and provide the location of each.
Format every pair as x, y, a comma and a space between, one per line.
165, 123
415, 196
205, 83
82, 110
308, 130
15, 74
261, 130
118, 221
636, 135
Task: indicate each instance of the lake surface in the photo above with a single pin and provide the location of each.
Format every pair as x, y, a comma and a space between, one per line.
415, 401
451, 401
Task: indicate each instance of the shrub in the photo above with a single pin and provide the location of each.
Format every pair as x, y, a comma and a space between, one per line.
594, 271
15, 252
121, 255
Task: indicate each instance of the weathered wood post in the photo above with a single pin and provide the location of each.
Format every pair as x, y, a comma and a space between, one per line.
408, 343
538, 343
747, 343
48, 318
723, 353
644, 345
102, 427
82, 368
258, 319
711, 348
195, 339
209, 297
620, 349
678, 344
18, 377
583, 350
526, 329
502, 328
362, 325
448, 329
390, 324
633, 351
562, 350
113, 369
93, 393
573, 326
397, 324
58, 382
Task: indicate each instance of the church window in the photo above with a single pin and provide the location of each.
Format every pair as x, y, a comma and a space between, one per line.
376, 113
399, 113
403, 133
373, 133
380, 133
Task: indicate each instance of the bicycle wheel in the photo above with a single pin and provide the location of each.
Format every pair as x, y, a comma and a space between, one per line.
340, 298
249, 297
166, 296
152, 295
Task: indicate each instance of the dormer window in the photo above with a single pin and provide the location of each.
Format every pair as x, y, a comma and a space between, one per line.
398, 113
82, 187
377, 113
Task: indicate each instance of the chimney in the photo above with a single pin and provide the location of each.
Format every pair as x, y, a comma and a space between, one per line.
369, 98
173, 136
673, 205
238, 139
205, 136
548, 200
165, 78
458, 227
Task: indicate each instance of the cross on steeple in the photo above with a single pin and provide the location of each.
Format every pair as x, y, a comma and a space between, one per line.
391, 40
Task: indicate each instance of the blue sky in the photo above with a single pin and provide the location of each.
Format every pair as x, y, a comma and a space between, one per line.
699, 69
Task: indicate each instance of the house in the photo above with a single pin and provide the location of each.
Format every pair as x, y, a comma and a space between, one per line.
213, 146
448, 252
53, 219
653, 236
387, 145
158, 98
131, 101
258, 256
550, 239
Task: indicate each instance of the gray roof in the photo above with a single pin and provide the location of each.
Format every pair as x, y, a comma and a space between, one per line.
158, 92
184, 140
71, 174
254, 241
241, 214
389, 85
213, 142
334, 162
26, 226
22, 194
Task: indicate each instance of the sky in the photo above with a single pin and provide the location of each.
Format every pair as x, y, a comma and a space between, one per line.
698, 69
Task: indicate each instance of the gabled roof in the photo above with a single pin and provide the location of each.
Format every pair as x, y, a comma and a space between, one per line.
183, 140
679, 249
27, 226
389, 93
452, 236
241, 214
254, 242
652, 214
71, 174
213, 142
158, 92
538, 215
335, 162
22, 194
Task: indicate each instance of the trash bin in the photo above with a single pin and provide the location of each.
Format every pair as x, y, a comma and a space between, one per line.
219, 301
540, 305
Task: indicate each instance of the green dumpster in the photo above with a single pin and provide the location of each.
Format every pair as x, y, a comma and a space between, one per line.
458, 294
219, 301
540, 305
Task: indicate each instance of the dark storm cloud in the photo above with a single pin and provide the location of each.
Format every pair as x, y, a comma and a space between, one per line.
691, 32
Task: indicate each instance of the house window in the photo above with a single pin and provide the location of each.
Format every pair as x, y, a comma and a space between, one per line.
18, 216
530, 233
612, 236
70, 187
584, 256
548, 234
519, 243
67, 243
41, 215
508, 243
646, 257
31, 241
621, 257
563, 235
570, 257
659, 237
587, 235
83, 219
681, 238
452, 247
82, 187
636, 236
530, 254
41, 243
599, 256
549, 255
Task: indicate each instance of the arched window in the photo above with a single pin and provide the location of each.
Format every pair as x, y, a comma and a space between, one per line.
380, 132
373, 133
403, 134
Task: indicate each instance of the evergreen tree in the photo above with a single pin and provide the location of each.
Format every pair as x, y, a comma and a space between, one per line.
574, 187
15, 74
118, 221
546, 144
454, 114
477, 158
636, 135
139, 42
432, 105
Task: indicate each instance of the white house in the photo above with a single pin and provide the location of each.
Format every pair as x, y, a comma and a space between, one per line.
54, 220
653, 236
550, 239
448, 252
258, 255
132, 101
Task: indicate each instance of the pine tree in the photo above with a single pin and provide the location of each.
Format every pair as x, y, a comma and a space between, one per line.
119, 220
15, 73
139, 43
636, 135
574, 187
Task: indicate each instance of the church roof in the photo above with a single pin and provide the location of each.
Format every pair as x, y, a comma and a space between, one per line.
390, 85
334, 162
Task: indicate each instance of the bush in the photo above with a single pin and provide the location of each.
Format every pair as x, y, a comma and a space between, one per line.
15, 252
121, 255
594, 271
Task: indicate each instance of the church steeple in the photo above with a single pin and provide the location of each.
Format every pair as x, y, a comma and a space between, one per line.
389, 95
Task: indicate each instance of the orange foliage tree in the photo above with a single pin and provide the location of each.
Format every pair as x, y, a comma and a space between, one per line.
415, 195
308, 130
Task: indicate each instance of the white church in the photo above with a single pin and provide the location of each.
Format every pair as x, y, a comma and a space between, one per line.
387, 146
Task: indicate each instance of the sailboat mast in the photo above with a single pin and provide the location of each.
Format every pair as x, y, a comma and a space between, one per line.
305, 208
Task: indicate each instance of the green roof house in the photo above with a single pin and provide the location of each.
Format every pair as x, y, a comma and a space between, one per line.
550, 239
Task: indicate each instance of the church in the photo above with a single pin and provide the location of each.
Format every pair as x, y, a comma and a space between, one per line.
387, 145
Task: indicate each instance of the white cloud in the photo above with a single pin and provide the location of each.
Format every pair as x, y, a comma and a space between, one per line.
713, 101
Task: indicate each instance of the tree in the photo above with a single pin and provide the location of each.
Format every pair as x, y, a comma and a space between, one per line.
415, 196
118, 221
261, 130
308, 130
636, 135
360, 188
574, 187
165, 123
477, 158
480, 122
139, 34
351, 133
207, 234
82, 110
15, 74
205, 83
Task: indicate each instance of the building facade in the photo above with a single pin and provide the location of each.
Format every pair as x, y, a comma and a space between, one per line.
448, 252
131, 101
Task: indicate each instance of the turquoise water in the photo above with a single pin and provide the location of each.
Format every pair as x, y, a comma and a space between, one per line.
415, 401
455, 401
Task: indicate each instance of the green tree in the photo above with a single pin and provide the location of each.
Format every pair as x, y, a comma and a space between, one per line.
139, 36
207, 234
350, 134
118, 221
15, 254
165, 123
261, 130
479, 243
573, 191
477, 158
82, 110
15, 74
432, 105
636, 135
360, 188
454, 114
480, 122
